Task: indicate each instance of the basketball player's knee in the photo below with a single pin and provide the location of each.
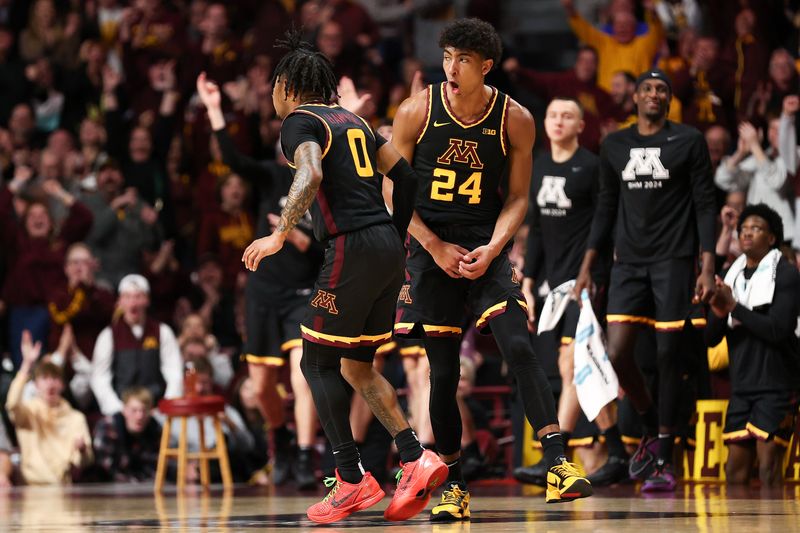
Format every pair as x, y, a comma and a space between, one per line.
736, 474
356, 373
566, 364
260, 386
310, 365
615, 353
519, 353
445, 376
668, 346
297, 377
769, 471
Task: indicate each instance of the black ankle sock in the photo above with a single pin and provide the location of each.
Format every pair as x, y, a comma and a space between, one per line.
566, 436
454, 472
407, 444
614, 442
471, 450
553, 447
666, 444
348, 462
305, 453
282, 435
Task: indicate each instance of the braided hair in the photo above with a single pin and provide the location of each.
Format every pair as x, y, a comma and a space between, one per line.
307, 72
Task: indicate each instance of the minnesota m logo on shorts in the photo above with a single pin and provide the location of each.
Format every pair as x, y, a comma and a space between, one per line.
325, 300
405, 295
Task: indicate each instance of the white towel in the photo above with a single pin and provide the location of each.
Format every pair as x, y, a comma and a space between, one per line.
554, 306
595, 381
760, 288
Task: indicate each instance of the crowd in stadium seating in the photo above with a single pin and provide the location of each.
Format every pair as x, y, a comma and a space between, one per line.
116, 203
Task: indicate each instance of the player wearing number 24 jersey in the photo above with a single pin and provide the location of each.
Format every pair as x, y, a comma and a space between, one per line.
471, 146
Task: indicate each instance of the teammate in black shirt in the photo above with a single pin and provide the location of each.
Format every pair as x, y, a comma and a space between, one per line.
655, 182
276, 296
464, 137
337, 160
563, 198
756, 309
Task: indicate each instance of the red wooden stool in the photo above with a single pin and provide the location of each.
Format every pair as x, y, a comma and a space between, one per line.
183, 408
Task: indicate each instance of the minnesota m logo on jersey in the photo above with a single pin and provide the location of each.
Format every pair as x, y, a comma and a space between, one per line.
645, 161
405, 295
552, 192
461, 152
325, 300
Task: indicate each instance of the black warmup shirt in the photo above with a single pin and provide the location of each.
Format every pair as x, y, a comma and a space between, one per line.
290, 267
562, 204
461, 165
350, 196
763, 349
660, 190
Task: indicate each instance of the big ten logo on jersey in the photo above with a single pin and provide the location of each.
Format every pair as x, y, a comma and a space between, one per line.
405, 294
325, 300
645, 162
458, 151
552, 192
304, 222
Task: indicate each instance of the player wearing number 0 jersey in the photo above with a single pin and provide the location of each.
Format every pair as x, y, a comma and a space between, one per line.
338, 162
472, 147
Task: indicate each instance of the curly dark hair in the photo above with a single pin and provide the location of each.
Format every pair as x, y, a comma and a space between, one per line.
307, 72
473, 35
772, 218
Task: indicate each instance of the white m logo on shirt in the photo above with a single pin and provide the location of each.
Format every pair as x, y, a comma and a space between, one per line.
552, 192
645, 161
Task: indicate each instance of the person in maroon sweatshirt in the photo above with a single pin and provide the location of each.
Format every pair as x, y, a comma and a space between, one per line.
227, 230
80, 302
35, 252
579, 83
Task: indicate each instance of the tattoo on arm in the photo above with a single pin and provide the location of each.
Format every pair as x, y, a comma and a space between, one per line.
307, 179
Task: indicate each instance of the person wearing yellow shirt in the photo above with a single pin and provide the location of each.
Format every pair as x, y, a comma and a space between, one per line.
623, 49
53, 437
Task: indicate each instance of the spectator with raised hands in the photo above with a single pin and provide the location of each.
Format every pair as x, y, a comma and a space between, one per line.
789, 151
623, 49
762, 173
219, 52
47, 36
53, 437
141, 148
123, 225
728, 242
35, 251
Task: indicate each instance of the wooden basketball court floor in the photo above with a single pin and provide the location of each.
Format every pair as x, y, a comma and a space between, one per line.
495, 508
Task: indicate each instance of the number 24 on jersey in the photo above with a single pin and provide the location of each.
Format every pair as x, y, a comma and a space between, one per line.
441, 188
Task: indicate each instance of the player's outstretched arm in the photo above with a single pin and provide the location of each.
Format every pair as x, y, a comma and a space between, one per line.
521, 136
210, 95
408, 123
307, 180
